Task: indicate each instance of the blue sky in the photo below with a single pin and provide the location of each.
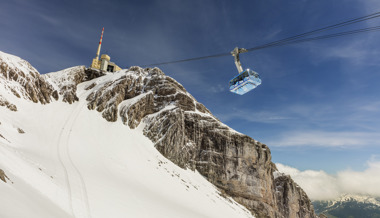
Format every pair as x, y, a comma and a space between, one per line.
318, 106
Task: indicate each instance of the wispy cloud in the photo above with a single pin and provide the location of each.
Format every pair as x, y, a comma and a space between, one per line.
371, 6
338, 124
327, 139
217, 88
253, 116
370, 107
359, 52
322, 186
320, 114
354, 50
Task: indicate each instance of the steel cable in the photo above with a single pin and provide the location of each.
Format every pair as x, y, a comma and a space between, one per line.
294, 39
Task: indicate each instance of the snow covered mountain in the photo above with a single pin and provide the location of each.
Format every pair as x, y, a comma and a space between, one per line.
135, 143
350, 205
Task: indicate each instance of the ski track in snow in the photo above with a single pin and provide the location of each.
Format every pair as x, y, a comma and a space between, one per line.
74, 178
64, 169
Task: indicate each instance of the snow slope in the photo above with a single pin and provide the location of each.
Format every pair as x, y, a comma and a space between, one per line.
70, 162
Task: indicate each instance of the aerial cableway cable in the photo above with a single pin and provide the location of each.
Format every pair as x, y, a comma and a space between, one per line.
369, 29
345, 23
295, 39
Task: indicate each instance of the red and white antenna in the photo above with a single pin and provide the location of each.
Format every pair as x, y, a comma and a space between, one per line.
100, 45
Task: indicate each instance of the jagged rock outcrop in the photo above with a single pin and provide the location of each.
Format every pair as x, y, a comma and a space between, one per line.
292, 199
185, 132
5, 103
66, 82
25, 81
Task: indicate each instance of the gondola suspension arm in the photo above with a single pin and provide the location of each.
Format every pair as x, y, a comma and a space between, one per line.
236, 53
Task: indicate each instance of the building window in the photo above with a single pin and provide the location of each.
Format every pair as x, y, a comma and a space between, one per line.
110, 68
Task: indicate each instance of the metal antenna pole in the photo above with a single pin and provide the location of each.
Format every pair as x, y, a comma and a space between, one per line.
100, 44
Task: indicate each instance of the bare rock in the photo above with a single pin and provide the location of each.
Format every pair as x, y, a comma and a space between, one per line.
24, 81
133, 113
292, 201
92, 85
5, 103
20, 131
107, 98
66, 82
1, 136
167, 129
3, 177
92, 73
240, 166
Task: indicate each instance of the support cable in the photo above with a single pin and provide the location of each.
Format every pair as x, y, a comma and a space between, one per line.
295, 39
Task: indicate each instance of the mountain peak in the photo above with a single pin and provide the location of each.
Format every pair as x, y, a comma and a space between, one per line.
13, 63
160, 109
139, 92
349, 205
20, 79
358, 198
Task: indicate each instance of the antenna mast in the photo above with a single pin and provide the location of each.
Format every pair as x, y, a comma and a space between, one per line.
100, 45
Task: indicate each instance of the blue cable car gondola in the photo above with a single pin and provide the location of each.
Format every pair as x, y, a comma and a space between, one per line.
246, 80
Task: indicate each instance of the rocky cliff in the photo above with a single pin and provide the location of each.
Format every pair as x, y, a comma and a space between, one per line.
182, 129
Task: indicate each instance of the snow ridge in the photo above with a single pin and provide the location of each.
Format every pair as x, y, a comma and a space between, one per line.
358, 198
15, 63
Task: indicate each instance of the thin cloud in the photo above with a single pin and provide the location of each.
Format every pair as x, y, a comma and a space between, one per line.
327, 139
359, 52
370, 107
371, 5
254, 116
217, 89
356, 50
322, 186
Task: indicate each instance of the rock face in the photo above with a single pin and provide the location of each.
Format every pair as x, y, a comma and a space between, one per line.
66, 81
5, 103
187, 133
23, 80
291, 199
